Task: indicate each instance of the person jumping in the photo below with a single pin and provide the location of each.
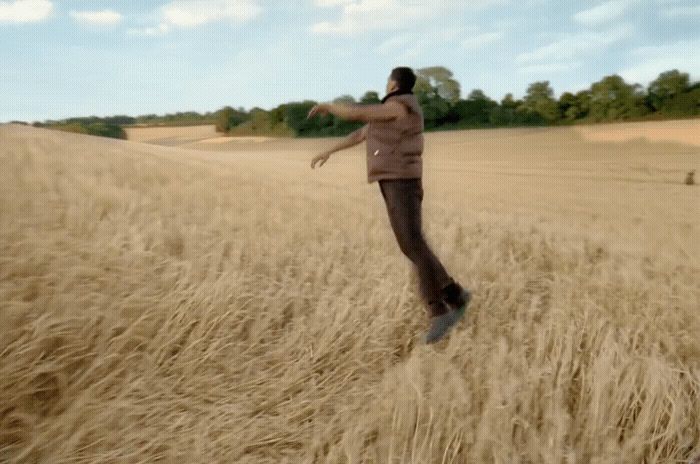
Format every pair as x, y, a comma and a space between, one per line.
394, 135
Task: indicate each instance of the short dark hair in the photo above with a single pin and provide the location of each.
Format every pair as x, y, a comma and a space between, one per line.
404, 77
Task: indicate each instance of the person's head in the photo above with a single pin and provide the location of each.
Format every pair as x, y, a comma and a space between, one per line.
401, 78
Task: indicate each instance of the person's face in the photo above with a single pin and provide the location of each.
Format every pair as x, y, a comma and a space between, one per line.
391, 85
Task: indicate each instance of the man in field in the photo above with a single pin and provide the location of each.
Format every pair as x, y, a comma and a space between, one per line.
394, 135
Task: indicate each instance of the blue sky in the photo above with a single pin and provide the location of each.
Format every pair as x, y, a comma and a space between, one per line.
61, 58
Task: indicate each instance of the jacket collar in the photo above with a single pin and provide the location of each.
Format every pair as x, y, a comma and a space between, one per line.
395, 93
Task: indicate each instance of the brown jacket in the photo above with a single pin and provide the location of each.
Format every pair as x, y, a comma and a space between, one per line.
394, 147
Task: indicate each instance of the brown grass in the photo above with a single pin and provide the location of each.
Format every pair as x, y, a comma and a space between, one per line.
169, 305
170, 135
684, 131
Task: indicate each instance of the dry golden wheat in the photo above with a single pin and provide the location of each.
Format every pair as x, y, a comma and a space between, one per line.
170, 305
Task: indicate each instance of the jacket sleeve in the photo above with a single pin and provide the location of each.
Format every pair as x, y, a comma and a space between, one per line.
361, 132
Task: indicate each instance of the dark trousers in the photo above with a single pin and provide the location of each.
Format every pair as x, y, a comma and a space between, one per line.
403, 198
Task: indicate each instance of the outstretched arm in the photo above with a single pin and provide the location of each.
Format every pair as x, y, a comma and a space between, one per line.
366, 113
351, 140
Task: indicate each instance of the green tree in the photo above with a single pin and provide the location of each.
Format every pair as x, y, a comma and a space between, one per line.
539, 101
106, 130
370, 98
669, 94
263, 122
694, 96
668, 85
435, 111
422, 89
94, 128
566, 102
478, 95
508, 101
260, 122
120, 120
504, 114
146, 118
345, 99
475, 111
437, 81
583, 104
614, 99
338, 125
573, 107
227, 118
295, 117
436, 91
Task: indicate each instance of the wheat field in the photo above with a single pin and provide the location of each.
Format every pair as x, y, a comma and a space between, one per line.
224, 303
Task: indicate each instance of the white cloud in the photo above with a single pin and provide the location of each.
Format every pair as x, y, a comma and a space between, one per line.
481, 40
368, 15
152, 31
653, 60
574, 45
359, 16
190, 13
193, 13
97, 18
25, 11
603, 13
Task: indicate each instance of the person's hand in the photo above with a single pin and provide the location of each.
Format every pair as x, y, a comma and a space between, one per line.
322, 158
320, 110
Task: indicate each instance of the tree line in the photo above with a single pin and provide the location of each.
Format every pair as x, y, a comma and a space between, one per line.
113, 126
671, 95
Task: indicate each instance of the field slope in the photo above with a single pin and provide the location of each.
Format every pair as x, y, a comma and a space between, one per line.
229, 304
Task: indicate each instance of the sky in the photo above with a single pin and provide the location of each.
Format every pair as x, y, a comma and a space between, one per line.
64, 58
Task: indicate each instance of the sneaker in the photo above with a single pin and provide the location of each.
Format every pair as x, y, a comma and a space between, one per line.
441, 325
